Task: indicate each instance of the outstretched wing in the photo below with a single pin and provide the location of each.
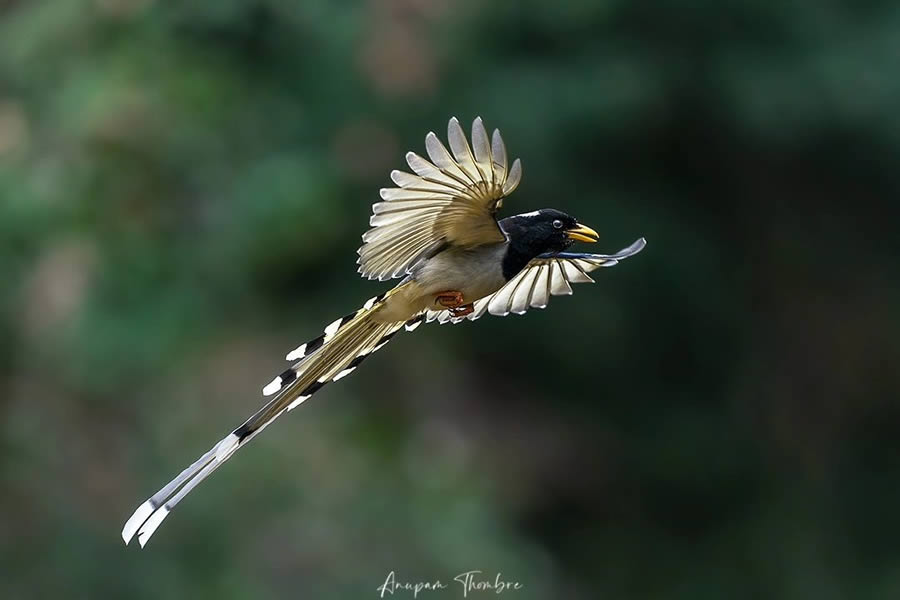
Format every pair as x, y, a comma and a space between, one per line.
545, 276
450, 199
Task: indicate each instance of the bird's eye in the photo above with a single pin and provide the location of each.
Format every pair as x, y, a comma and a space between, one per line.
557, 224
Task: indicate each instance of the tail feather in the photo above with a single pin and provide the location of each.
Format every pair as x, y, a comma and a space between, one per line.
343, 346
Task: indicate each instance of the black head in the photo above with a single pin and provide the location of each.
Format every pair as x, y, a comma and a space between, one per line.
541, 231
546, 230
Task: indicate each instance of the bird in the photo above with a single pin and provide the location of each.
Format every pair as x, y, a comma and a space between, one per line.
438, 232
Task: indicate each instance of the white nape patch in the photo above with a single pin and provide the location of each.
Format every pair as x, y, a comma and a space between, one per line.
344, 373
299, 352
226, 447
300, 400
332, 329
135, 521
413, 326
273, 386
533, 213
152, 523
370, 302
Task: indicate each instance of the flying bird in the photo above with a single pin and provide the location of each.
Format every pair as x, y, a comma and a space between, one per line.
438, 231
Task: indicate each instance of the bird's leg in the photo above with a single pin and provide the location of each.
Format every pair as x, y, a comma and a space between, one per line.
454, 302
449, 299
461, 311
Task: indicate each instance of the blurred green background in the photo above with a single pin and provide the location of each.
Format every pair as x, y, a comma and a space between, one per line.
182, 190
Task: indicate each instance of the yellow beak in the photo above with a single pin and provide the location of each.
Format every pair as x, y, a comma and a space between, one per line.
582, 233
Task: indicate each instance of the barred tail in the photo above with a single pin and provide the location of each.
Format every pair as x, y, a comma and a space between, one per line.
335, 354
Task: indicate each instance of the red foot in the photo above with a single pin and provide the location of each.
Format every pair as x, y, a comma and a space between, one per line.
449, 299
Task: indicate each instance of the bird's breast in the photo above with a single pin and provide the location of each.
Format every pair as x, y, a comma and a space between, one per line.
476, 272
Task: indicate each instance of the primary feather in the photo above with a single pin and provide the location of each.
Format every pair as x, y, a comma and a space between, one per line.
544, 276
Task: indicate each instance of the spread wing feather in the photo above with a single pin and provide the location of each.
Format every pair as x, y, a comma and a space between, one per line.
450, 199
545, 276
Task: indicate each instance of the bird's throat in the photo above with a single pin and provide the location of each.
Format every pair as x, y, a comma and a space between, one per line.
517, 256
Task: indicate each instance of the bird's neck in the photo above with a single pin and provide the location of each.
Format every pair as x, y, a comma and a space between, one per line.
522, 246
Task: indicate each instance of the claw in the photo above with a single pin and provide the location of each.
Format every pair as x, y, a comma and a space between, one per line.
461, 311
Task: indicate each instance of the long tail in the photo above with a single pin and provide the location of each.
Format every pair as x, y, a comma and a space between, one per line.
335, 354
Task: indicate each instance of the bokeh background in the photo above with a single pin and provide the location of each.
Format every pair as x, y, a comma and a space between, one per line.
182, 190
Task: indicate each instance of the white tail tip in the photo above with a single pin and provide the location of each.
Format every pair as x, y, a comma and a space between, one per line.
272, 387
151, 524
299, 352
135, 521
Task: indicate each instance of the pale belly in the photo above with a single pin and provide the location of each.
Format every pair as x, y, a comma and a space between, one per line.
475, 272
